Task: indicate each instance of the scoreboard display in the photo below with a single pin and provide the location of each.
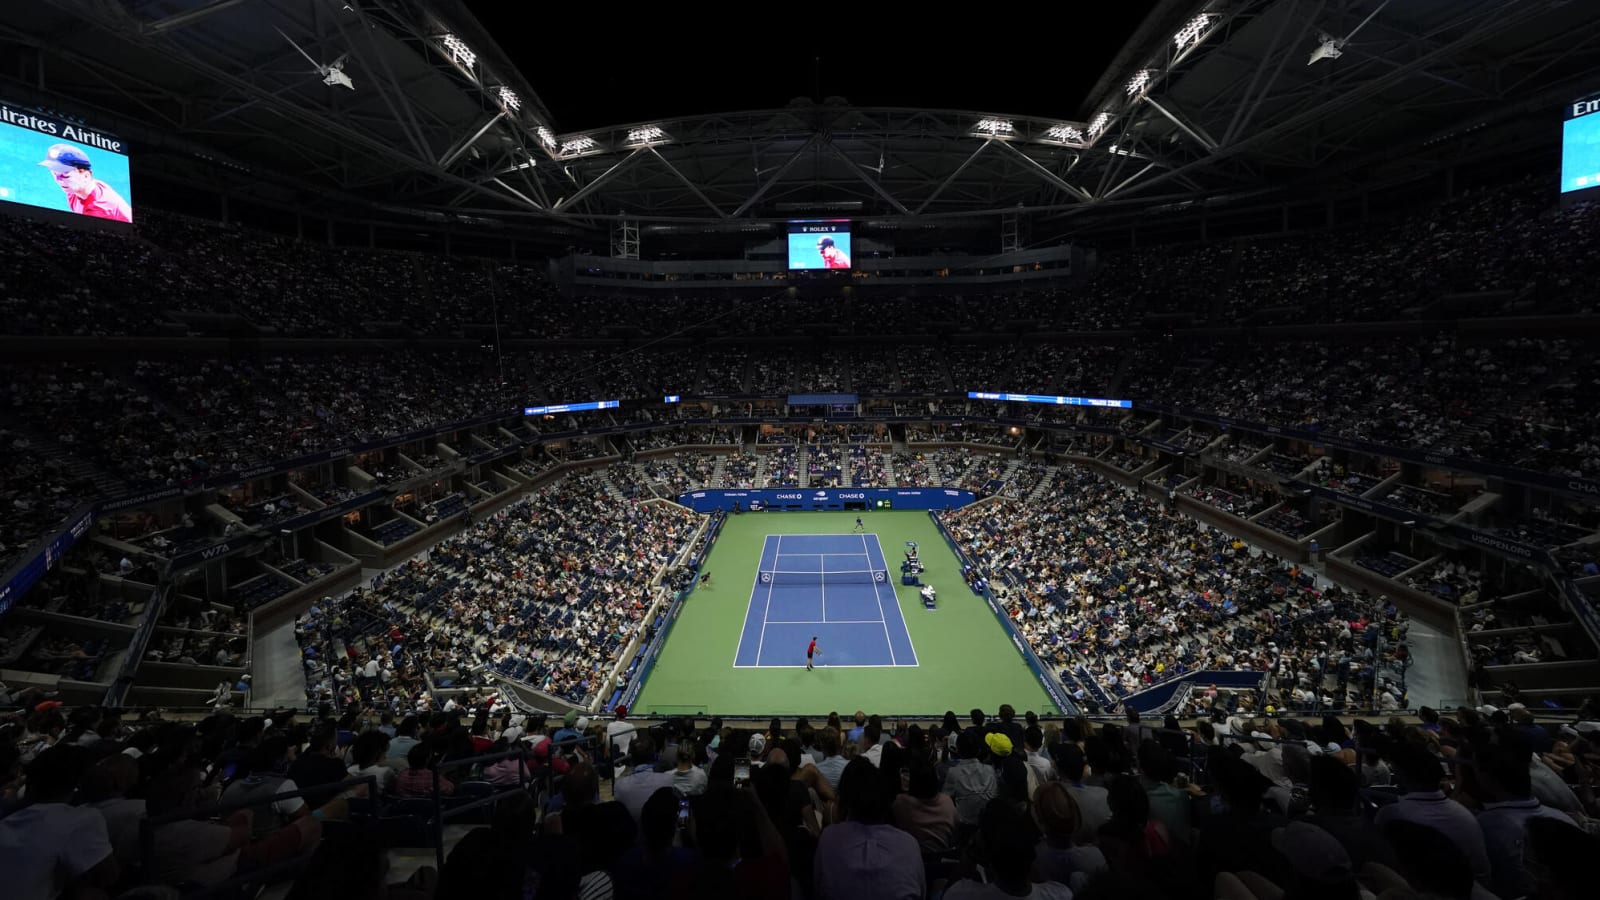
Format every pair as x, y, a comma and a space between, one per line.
819, 244
1580, 150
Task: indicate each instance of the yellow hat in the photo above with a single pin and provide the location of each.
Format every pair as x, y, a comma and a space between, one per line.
999, 744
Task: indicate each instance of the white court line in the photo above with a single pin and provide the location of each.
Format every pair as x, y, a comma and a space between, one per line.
750, 607
766, 608
877, 597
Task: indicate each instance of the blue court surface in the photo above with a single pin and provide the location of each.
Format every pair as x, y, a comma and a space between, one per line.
834, 586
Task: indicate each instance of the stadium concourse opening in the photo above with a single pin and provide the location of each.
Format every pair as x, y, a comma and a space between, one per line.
739, 644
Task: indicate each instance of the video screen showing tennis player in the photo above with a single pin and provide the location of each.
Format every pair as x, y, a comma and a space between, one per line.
1580, 147
819, 244
57, 164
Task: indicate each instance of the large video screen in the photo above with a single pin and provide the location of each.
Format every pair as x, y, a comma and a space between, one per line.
1580, 147
819, 244
60, 165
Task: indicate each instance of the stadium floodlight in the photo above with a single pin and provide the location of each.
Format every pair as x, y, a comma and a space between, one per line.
1097, 127
459, 51
995, 126
1191, 31
547, 138
647, 134
579, 145
1137, 84
509, 98
1328, 49
1064, 133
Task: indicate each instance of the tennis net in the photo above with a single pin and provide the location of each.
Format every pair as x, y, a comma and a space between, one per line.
779, 578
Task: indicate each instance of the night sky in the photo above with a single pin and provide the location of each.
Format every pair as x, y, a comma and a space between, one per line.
598, 69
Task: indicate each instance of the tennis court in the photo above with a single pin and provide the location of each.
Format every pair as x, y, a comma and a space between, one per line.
834, 587
736, 650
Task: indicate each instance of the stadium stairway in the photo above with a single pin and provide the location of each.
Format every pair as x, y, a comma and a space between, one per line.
610, 486
802, 458
719, 472
1045, 483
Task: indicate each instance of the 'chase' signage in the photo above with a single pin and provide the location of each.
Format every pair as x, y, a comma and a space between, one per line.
827, 498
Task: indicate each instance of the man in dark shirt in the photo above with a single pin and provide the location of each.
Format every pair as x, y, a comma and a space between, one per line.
319, 765
1008, 726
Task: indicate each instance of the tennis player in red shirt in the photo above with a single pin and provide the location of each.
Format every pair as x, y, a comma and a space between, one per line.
810, 652
86, 195
832, 256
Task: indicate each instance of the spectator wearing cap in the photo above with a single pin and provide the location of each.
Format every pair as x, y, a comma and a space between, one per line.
1423, 803
47, 848
1522, 722
620, 733
1009, 768
86, 194
567, 731
756, 747
861, 854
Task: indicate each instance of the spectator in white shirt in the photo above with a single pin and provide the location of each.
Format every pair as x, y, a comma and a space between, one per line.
832, 764
620, 732
1040, 765
47, 848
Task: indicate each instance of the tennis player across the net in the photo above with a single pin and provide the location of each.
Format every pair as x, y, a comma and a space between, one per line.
812, 579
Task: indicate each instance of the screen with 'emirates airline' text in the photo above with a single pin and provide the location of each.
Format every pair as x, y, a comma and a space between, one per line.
53, 163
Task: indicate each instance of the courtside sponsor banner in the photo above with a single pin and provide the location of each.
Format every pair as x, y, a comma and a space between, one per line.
827, 498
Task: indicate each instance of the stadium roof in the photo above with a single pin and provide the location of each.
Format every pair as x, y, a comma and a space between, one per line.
1210, 102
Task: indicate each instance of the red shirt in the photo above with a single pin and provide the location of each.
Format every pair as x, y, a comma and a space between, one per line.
102, 203
811, 649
